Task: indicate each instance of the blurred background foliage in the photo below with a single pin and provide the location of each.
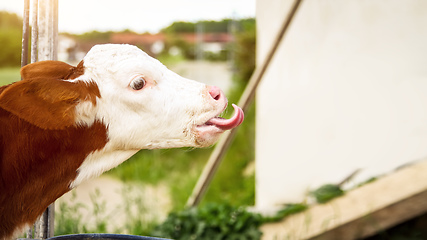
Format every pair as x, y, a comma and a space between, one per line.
10, 39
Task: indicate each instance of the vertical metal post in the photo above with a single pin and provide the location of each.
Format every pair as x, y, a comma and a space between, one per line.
46, 34
50, 211
34, 29
54, 10
24, 55
25, 33
44, 44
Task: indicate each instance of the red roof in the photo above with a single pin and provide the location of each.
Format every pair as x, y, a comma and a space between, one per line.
146, 38
133, 38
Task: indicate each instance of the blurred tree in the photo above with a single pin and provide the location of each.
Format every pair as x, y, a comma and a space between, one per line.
95, 36
190, 27
187, 49
208, 26
243, 49
9, 20
10, 39
180, 27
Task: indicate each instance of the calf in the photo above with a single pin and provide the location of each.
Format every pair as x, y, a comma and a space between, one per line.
61, 124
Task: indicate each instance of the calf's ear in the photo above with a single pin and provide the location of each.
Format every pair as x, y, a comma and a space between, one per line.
51, 69
43, 99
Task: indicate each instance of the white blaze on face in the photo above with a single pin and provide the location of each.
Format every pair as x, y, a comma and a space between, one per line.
145, 106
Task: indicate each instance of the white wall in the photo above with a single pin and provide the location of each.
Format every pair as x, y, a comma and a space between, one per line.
347, 89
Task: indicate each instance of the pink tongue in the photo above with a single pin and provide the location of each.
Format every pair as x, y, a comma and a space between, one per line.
226, 124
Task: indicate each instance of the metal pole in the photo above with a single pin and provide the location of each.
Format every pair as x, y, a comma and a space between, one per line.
24, 57
50, 211
44, 44
32, 231
47, 49
44, 41
244, 102
54, 10
34, 30
25, 33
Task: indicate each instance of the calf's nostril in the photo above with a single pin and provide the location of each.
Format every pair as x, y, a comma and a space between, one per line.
215, 92
217, 96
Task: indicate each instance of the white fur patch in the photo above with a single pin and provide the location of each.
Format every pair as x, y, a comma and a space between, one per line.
98, 162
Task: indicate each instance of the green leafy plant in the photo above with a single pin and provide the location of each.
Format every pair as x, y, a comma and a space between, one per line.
288, 210
99, 210
326, 193
211, 222
69, 219
137, 222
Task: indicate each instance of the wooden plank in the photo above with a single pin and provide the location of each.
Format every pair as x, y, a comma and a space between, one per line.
362, 212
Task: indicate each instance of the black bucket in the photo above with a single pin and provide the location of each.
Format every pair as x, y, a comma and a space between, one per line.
103, 236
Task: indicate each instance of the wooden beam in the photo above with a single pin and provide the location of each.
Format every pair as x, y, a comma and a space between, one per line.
362, 212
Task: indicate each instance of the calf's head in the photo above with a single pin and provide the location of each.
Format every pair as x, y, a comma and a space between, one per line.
143, 104
148, 106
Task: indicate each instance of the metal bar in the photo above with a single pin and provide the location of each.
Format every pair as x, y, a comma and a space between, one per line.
55, 29
44, 30
44, 44
54, 55
51, 221
32, 231
244, 102
50, 211
47, 50
24, 58
25, 33
42, 26
34, 30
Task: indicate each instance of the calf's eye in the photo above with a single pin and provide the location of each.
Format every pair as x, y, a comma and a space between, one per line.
138, 83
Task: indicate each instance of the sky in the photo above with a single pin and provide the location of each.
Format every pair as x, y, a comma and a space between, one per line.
78, 16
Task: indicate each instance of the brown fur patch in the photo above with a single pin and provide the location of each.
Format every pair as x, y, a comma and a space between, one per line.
43, 99
52, 70
41, 148
37, 166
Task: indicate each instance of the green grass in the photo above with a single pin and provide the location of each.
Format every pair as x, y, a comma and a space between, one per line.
9, 75
70, 220
177, 168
